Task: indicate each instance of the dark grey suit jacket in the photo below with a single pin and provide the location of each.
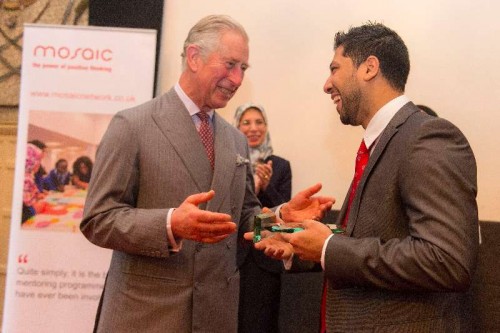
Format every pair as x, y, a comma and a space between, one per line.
150, 159
410, 250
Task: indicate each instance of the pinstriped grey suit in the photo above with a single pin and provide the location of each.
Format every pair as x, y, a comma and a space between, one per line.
412, 234
150, 159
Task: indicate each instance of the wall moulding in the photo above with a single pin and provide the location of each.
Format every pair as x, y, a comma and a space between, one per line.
8, 116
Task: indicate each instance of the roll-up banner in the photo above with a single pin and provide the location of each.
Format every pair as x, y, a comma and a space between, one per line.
73, 80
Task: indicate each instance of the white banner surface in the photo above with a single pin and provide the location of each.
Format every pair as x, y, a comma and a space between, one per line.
73, 80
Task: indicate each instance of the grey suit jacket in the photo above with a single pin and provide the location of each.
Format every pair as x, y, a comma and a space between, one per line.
150, 159
412, 235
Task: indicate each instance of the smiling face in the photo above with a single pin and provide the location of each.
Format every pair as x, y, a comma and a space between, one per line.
253, 125
344, 88
218, 77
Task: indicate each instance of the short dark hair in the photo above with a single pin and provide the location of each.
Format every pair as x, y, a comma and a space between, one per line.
375, 39
60, 161
85, 160
38, 143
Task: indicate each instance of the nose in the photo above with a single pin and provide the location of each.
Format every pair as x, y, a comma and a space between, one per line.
253, 126
327, 88
236, 76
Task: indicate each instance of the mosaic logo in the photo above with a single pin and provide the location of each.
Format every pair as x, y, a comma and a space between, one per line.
67, 53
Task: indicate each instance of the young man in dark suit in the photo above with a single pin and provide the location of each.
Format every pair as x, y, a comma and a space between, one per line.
408, 254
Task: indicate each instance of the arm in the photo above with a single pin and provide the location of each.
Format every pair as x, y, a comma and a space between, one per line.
279, 189
436, 187
115, 217
111, 218
78, 183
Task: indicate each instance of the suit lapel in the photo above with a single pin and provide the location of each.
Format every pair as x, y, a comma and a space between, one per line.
177, 125
225, 162
392, 128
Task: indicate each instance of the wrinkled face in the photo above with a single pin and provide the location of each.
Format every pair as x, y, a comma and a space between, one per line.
253, 125
62, 167
343, 87
221, 73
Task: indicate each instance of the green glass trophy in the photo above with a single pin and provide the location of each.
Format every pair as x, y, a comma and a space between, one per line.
266, 223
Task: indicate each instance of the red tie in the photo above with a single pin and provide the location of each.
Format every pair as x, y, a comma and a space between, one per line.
207, 136
361, 161
322, 329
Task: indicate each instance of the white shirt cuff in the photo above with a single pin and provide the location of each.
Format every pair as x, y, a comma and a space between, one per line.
323, 251
173, 246
288, 263
278, 214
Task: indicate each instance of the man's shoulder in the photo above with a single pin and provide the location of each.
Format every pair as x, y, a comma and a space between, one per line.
144, 107
233, 131
278, 159
421, 121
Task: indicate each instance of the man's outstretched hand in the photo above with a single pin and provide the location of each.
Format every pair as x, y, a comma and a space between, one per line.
273, 245
190, 222
305, 206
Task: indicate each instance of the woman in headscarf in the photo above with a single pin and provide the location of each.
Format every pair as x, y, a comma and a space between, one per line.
32, 196
260, 280
272, 174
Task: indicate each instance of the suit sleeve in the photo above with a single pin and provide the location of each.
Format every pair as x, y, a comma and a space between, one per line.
437, 191
111, 219
251, 204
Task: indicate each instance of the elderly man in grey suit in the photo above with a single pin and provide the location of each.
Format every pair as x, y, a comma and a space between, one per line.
409, 250
171, 186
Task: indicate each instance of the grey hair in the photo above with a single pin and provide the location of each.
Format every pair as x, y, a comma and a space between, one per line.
206, 34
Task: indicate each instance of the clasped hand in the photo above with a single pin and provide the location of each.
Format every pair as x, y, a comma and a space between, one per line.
306, 244
190, 222
262, 177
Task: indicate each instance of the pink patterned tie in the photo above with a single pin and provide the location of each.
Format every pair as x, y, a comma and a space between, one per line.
361, 161
207, 136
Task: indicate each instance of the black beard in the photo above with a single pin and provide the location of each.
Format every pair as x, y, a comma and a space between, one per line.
351, 108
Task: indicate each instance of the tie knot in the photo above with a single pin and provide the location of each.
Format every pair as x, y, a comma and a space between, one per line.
203, 116
362, 148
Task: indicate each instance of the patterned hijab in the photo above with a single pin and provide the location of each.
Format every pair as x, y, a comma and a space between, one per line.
262, 152
33, 159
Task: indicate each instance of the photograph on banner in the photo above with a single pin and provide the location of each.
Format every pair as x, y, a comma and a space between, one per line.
60, 152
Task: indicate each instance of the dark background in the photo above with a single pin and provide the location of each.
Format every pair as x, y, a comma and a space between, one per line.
146, 14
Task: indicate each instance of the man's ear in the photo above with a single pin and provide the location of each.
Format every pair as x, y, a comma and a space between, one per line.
193, 57
371, 68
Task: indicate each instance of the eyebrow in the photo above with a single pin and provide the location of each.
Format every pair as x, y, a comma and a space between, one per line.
237, 61
332, 65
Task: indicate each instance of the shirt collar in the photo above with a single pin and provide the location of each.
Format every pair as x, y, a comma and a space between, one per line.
382, 118
188, 103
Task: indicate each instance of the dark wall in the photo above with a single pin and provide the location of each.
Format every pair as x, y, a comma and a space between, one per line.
486, 288
146, 14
